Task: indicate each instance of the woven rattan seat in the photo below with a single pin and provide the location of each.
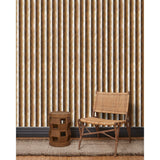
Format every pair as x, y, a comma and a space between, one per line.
100, 121
115, 103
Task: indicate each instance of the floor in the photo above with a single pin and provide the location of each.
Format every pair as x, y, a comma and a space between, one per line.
80, 158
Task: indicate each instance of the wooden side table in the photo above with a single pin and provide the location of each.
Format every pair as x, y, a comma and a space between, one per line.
59, 133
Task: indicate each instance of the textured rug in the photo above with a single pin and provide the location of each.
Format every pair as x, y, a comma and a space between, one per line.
88, 148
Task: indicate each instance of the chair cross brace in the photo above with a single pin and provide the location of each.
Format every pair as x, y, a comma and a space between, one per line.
102, 132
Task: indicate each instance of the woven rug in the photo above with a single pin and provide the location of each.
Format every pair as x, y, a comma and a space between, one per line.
88, 148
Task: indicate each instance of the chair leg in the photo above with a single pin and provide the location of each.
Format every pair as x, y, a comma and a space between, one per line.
116, 138
97, 129
128, 125
81, 130
118, 132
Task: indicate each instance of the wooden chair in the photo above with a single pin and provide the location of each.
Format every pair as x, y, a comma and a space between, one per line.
116, 103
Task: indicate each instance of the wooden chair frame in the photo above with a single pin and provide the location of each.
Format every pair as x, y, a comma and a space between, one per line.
116, 128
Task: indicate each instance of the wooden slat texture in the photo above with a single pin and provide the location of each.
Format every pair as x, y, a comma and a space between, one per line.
69, 49
105, 48
99, 45
142, 62
38, 64
127, 46
60, 55
55, 55
99, 48
49, 59
121, 50
33, 63
105, 45
44, 63
116, 48
110, 49
72, 63
66, 55
77, 60
88, 58
94, 51
133, 62
83, 58
27, 62
17, 63
22, 63
138, 63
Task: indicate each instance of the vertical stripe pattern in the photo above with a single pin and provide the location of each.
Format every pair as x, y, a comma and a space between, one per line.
133, 61
121, 49
116, 48
71, 61
105, 47
66, 55
99, 48
21, 63
44, 63
55, 55
88, 58
38, 64
60, 54
94, 49
27, 62
110, 49
138, 63
49, 58
17, 63
77, 60
33, 63
83, 58
66, 50
142, 62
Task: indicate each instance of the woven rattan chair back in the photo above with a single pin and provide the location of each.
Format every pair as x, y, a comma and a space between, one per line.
116, 103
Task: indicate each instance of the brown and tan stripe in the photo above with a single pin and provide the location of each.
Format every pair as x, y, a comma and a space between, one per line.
83, 58
38, 64
110, 49
49, 59
55, 55
142, 62
77, 60
69, 49
44, 63
72, 63
105, 48
121, 49
27, 62
22, 63
66, 55
88, 58
60, 55
133, 61
94, 50
138, 63
17, 63
116, 48
99, 48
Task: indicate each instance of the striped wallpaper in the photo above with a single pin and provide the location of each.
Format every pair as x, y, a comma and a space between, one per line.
69, 49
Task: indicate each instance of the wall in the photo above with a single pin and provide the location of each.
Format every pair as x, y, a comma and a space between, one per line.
69, 49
